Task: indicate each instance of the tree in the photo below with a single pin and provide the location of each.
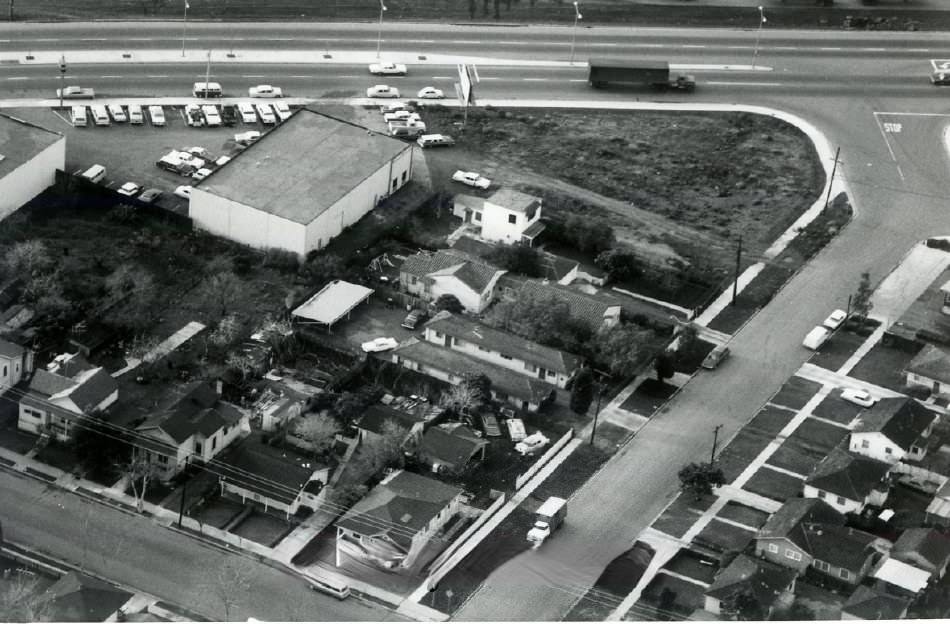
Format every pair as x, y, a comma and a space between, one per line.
130, 297
620, 347
346, 495
27, 259
664, 366
385, 450
479, 385
460, 398
861, 301
518, 259
279, 336
22, 599
99, 449
688, 339
226, 331
744, 606
242, 363
229, 583
449, 303
221, 289
700, 478
140, 469
318, 431
620, 265
351, 405
582, 391
143, 348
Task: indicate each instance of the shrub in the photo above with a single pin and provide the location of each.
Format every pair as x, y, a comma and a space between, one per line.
281, 259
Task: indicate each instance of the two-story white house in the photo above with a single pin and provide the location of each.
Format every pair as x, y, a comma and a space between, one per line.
68, 389
508, 216
392, 524
16, 362
848, 482
195, 426
430, 275
893, 430
502, 348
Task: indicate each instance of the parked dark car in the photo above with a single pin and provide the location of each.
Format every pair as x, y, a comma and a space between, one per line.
490, 425
228, 115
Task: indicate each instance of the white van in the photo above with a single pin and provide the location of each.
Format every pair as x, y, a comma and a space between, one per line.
816, 337
95, 173
100, 116
206, 89
78, 116
135, 114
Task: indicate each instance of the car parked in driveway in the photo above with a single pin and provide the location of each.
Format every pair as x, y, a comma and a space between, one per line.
413, 319
117, 113
430, 93
388, 69
489, 424
129, 189
382, 91
246, 110
532, 444
379, 344
471, 178
835, 319
858, 397
265, 91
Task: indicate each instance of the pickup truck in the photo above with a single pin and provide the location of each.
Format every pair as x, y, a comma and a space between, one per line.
75, 93
549, 517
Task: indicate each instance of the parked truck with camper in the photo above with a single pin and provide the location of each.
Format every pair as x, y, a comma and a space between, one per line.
656, 74
549, 517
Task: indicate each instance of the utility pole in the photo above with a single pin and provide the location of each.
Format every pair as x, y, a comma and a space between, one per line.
577, 16
62, 78
600, 394
379, 35
184, 487
208, 72
834, 169
735, 284
847, 310
712, 457
11, 10
184, 29
758, 34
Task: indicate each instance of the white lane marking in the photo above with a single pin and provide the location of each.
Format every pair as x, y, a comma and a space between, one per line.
577, 80
93, 39
110, 76
693, 45
785, 47
159, 76
298, 76
830, 49
19, 78
535, 79
442, 77
874, 49
913, 114
253, 76
743, 84
469, 41
484, 78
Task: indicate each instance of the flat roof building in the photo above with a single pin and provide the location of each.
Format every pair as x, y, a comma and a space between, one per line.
30, 155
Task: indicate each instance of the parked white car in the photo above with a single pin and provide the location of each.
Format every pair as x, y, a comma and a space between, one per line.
858, 397
247, 112
183, 191
382, 91
117, 113
835, 319
379, 344
129, 189
401, 114
201, 174
193, 116
392, 107
222, 161
282, 110
212, 116
157, 114
246, 138
266, 114
430, 93
471, 178
265, 91
533, 443
135, 114
388, 69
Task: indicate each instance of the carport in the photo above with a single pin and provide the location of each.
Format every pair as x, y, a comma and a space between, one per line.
334, 301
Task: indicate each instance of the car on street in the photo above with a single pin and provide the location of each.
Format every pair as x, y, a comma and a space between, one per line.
212, 117
150, 196
265, 91
282, 110
157, 114
193, 116
858, 397
715, 357
940, 78
265, 113
129, 189
835, 319
75, 93
246, 110
388, 69
816, 337
471, 178
135, 114
382, 91
379, 344
246, 138
201, 174
532, 444
183, 191
430, 93
117, 113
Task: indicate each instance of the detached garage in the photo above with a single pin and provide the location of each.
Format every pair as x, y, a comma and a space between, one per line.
29, 158
301, 184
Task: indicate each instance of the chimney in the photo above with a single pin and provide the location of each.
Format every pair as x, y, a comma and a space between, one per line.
218, 386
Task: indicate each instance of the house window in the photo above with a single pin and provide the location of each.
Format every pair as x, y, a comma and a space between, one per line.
865, 444
821, 565
4, 370
915, 449
438, 334
214, 443
841, 500
888, 450
504, 357
531, 368
478, 216
413, 279
773, 548
821, 494
403, 177
793, 555
513, 219
197, 448
552, 374
163, 459
844, 574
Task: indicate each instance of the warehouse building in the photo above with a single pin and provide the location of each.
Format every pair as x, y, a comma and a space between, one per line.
30, 155
301, 184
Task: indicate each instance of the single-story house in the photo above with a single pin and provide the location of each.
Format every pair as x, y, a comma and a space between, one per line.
76, 597
926, 549
867, 603
395, 521
373, 423
899, 577
930, 369
431, 275
893, 429
762, 580
596, 309
784, 538
451, 448
277, 406
848, 482
555, 268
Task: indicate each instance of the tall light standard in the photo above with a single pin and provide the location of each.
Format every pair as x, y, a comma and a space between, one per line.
62, 78
379, 36
577, 16
758, 34
184, 29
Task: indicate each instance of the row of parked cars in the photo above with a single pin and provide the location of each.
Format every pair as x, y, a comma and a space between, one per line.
403, 122
210, 115
104, 115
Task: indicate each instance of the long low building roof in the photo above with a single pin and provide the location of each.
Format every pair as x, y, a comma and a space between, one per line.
334, 301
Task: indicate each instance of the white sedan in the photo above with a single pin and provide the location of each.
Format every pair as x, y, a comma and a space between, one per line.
265, 91
379, 344
388, 69
183, 191
430, 93
266, 113
533, 443
858, 397
246, 138
835, 319
247, 112
117, 112
282, 110
201, 174
129, 189
472, 179
382, 91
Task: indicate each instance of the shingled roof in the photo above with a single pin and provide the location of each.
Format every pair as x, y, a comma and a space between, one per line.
928, 544
840, 546
789, 520
513, 200
503, 342
868, 604
470, 270
932, 362
376, 415
591, 309
278, 474
197, 411
10, 349
902, 420
764, 580
847, 475
453, 444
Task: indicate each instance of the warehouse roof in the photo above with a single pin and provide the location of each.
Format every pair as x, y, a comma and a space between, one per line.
304, 166
21, 141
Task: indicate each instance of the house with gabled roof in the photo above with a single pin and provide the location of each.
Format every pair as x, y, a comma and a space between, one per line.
507, 216
553, 267
451, 366
16, 362
868, 603
69, 389
502, 348
930, 369
925, 549
431, 275
451, 448
598, 310
848, 482
195, 425
767, 583
372, 425
396, 520
893, 429
784, 539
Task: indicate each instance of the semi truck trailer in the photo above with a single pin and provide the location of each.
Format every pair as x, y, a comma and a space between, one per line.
655, 74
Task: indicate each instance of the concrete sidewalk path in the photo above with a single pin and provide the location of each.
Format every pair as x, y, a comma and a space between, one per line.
832, 379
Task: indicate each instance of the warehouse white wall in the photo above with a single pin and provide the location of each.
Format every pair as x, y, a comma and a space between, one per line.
31, 178
237, 222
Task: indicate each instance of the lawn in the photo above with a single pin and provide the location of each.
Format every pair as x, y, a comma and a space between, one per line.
723, 537
796, 392
681, 514
263, 528
217, 512
773, 484
836, 351
59, 455
665, 596
882, 366
836, 409
818, 436
744, 514
770, 420
797, 457
616, 581
740, 452
694, 565
648, 397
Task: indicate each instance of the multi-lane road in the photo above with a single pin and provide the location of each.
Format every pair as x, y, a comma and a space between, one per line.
868, 93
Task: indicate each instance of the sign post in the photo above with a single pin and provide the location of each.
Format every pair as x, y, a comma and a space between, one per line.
463, 88
62, 79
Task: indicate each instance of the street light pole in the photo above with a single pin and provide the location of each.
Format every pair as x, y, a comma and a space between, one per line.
208, 71
62, 78
758, 34
379, 35
577, 16
184, 29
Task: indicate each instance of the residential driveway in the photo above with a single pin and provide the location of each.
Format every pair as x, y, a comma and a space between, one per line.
608, 513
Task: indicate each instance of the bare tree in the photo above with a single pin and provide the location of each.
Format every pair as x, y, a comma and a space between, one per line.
222, 289
279, 335
226, 331
27, 259
229, 582
140, 470
143, 348
21, 599
461, 397
317, 431
385, 450
242, 362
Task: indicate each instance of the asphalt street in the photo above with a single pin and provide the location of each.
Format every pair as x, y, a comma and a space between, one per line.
135, 552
